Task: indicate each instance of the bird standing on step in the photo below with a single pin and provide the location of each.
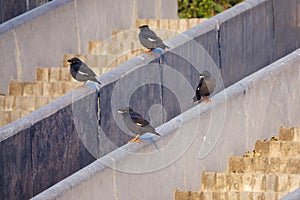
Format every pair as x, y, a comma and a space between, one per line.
206, 86
136, 123
149, 39
81, 72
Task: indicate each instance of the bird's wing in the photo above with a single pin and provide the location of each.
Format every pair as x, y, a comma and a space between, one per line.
151, 36
85, 70
138, 119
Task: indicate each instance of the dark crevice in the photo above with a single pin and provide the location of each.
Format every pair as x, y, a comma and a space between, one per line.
219, 45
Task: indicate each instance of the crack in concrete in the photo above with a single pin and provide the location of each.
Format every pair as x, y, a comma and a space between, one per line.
17, 56
77, 28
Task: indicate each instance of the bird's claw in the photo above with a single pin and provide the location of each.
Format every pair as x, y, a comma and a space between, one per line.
206, 100
135, 140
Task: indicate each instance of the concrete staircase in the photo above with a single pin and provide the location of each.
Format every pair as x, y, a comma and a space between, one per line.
102, 56
270, 172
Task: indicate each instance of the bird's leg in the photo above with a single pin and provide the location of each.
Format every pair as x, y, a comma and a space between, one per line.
136, 139
149, 52
83, 85
206, 100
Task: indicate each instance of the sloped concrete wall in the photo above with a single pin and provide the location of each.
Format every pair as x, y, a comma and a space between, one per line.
196, 140
46, 146
40, 37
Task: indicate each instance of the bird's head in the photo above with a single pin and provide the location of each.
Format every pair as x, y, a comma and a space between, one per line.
143, 27
205, 74
125, 110
74, 60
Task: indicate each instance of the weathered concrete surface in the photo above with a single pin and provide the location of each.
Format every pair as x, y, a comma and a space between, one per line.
41, 36
48, 145
255, 107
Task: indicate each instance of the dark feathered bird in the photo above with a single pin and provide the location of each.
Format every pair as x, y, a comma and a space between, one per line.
81, 72
149, 39
136, 123
206, 86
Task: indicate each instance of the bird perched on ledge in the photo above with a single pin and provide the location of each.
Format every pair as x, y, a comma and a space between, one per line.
149, 39
136, 123
81, 72
206, 86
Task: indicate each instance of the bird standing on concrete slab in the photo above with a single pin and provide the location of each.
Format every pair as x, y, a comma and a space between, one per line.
206, 86
81, 72
149, 39
136, 123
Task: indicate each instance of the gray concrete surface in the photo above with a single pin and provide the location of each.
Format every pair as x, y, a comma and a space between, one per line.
40, 37
196, 140
48, 145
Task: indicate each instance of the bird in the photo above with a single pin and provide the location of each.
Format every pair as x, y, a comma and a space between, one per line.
149, 39
206, 86
81, 72
136, 123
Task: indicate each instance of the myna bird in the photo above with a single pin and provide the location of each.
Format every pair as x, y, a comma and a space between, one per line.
81, 72
206, 86
136, 123
149, 39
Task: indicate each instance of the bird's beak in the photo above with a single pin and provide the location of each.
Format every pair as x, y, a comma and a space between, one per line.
70, 61
121, 111
201, 76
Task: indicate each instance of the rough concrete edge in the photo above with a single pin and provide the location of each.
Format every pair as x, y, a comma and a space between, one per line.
171, 126
44, 112
237, 10
31, 14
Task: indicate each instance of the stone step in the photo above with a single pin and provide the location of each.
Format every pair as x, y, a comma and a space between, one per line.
249, 182
132, 35
111, 61
115, 46
210, 195
279, 165
180, 24
289, 134
278, 148
24, 103
7, 117
53, 74
50, 89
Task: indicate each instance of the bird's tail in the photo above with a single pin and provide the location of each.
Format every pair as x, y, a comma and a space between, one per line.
165, 46
95, 80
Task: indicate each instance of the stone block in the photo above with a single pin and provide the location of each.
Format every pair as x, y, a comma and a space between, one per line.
183, 24
271, 182
182, 195
296, 133
208, 181
285, 134
283, 182
42, 74
54, 74
207, 195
